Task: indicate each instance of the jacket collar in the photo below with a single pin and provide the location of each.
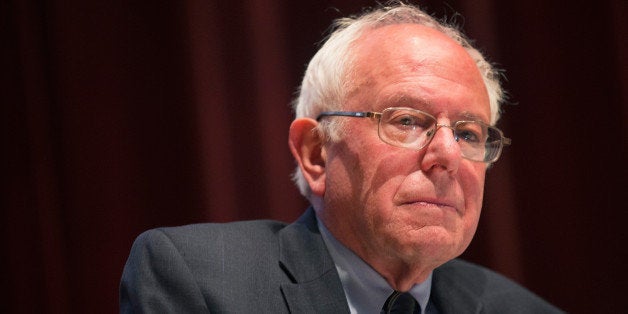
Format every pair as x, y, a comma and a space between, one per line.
454, 291
315, 285
316, 288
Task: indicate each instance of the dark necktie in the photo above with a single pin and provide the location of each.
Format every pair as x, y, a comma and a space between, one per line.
401, 302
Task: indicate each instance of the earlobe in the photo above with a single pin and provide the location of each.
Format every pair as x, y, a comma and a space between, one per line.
306, 145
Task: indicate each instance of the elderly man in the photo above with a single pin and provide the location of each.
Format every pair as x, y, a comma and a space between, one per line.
393, 134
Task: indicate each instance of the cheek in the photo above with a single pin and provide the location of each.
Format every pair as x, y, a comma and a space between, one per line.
372, 168
376, 178
472, 183
383, 180
350, 173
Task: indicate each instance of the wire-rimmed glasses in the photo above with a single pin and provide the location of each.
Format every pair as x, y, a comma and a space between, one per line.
414, 129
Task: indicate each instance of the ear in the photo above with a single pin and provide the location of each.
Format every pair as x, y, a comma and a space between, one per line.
306, 146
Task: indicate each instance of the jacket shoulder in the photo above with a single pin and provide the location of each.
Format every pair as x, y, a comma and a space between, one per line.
200, 267
236, 242
240, 232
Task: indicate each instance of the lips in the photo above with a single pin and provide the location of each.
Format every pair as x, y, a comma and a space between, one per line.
435, 203
432, 203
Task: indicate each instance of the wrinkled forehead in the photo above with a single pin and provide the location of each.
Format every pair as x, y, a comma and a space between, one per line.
403, 54
411, 46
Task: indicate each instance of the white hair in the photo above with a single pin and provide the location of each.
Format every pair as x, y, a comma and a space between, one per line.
325, 81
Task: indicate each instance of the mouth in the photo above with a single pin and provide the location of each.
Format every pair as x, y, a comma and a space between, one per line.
431, 204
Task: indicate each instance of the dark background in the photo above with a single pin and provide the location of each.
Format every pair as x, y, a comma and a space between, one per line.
119, 116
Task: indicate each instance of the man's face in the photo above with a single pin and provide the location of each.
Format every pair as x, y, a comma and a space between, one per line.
391, 204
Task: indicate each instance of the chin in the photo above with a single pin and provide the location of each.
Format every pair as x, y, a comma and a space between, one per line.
432, 243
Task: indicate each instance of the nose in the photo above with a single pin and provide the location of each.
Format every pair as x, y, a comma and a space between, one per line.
443, 151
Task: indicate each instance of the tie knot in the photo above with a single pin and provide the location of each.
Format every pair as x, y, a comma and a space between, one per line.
401, 302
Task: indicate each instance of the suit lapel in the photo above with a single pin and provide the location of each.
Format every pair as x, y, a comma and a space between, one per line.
451, 294
315, 287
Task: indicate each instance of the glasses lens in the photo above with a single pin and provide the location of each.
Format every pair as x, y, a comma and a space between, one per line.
410, 128
493, 145
405, 127
478, 141
472, 138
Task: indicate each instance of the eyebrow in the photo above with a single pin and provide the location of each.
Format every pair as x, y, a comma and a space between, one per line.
404, 100
466, 115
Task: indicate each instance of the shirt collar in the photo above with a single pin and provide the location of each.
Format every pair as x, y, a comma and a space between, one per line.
365, 288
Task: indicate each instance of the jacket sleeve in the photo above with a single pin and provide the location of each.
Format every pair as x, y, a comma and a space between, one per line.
156, 279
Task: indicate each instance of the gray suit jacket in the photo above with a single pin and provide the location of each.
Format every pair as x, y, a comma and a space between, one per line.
270, 267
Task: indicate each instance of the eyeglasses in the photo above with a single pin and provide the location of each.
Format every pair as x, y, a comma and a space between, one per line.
415, 129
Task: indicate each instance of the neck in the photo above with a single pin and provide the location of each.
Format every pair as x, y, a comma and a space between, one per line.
401, 276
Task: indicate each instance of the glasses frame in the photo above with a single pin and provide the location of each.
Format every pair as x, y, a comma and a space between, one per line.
504, 141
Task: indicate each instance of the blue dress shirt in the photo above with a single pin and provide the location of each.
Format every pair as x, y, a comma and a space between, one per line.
365, 288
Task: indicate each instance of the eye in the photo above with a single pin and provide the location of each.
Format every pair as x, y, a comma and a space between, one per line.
409, 121
470, 132
468, 136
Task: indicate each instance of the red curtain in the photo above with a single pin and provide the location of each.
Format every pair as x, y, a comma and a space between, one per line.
119, 117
